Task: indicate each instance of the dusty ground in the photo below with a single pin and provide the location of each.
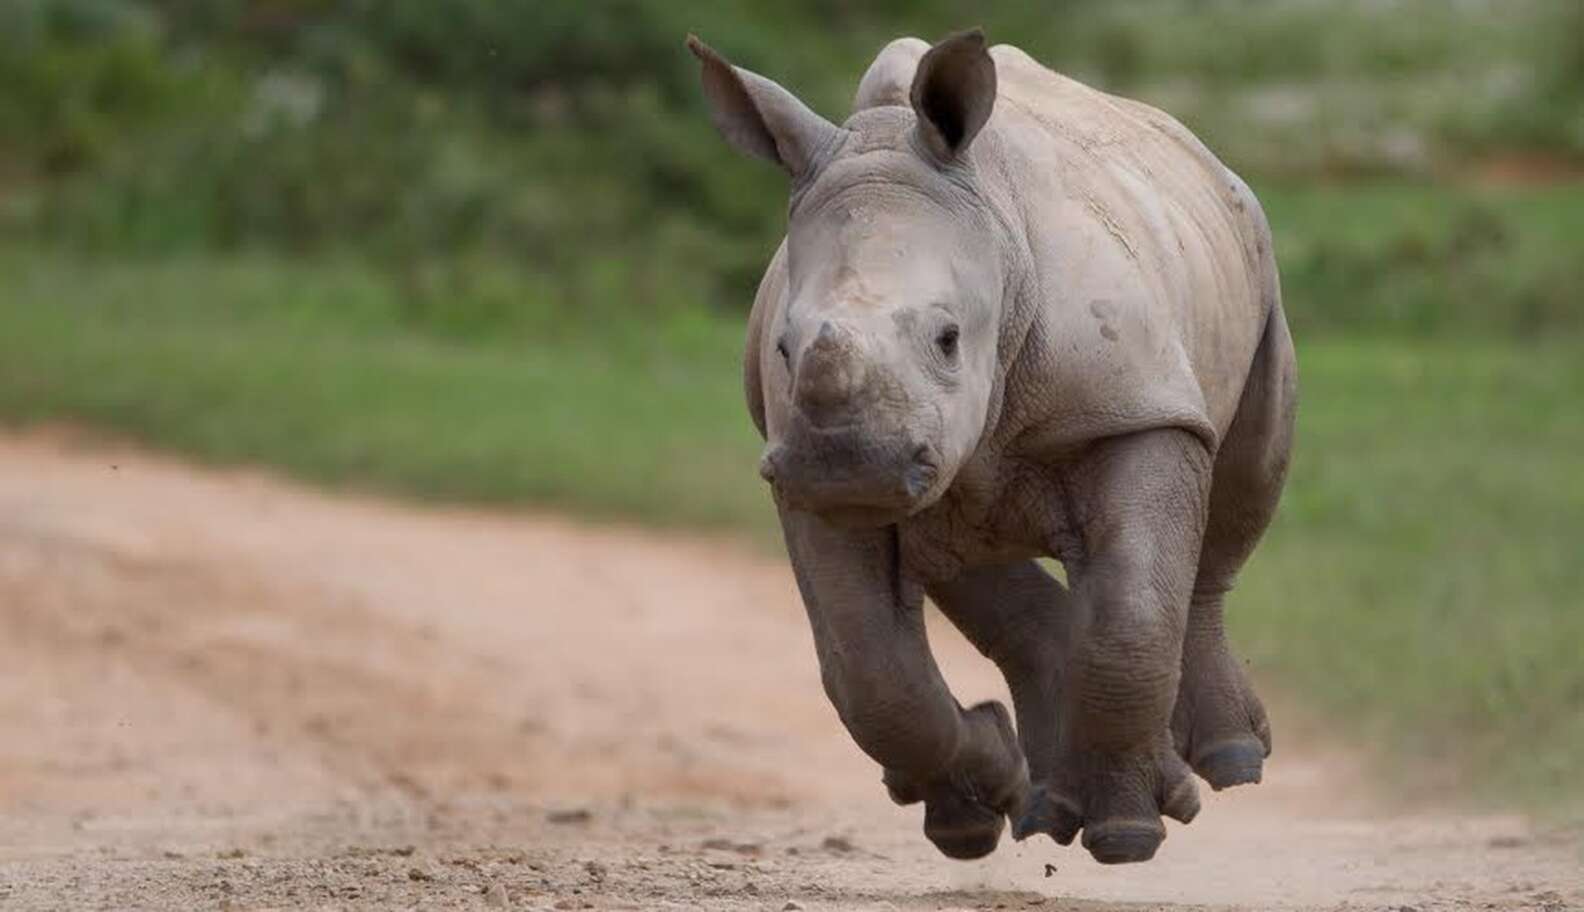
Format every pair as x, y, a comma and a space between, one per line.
219, 690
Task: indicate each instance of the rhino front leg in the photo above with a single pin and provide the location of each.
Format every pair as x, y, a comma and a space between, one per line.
1138, 504
879, 673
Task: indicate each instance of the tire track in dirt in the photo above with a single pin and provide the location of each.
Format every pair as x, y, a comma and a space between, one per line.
222, 690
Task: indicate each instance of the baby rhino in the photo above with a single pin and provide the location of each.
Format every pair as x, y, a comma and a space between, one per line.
1014, 318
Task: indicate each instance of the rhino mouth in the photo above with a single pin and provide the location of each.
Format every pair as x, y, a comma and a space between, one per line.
850, 478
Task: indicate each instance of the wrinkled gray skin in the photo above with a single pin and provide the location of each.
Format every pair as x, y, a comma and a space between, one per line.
1015, 317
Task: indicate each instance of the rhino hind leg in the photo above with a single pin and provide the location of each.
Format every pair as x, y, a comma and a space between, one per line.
1219, 724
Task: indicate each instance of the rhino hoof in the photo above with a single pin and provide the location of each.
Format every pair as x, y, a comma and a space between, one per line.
1229, 763
961, 827
1123, 841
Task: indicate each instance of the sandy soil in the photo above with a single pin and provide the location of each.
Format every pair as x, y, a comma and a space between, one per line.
219, 690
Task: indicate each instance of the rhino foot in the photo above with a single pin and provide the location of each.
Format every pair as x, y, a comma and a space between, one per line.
1219, 724
1230, 763
965, 808
1116, 800
960, 825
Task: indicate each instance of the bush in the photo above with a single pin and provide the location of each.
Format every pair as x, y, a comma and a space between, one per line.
565, 140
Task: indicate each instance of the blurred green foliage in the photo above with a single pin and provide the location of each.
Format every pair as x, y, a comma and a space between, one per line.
502, 158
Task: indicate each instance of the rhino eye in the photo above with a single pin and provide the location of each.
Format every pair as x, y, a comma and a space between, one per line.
947, 341
781, 349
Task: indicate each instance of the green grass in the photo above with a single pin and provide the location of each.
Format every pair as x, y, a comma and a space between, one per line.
1423, 582
301, 369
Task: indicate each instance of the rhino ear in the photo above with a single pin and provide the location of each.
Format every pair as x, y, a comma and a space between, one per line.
954, 90
759, 117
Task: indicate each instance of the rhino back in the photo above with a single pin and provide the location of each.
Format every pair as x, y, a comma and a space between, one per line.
1151, 268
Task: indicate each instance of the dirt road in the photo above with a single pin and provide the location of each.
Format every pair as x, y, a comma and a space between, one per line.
219, 690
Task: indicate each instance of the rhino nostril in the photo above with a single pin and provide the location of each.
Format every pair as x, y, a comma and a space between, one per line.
920, 474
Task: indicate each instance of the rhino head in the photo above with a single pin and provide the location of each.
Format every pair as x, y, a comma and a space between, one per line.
895, 284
